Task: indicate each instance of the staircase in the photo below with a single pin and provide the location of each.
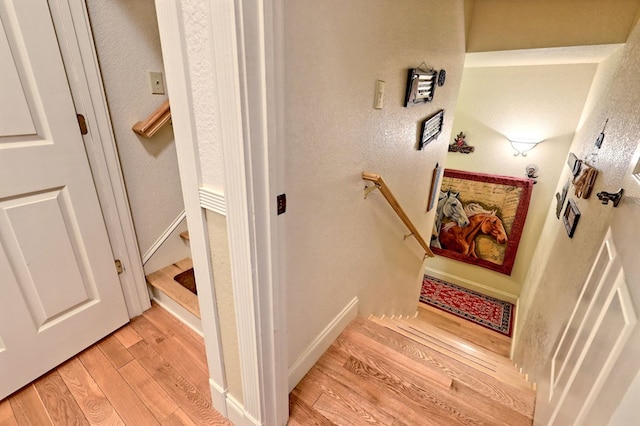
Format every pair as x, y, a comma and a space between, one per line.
414, 371
173, 296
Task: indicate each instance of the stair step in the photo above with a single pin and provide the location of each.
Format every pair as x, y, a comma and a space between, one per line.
185, 235
467, 330
419, 364
164, 282
453, 347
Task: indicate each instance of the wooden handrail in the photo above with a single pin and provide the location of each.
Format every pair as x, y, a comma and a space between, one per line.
157, 119
386, 192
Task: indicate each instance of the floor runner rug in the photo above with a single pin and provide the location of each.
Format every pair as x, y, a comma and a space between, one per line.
470, 305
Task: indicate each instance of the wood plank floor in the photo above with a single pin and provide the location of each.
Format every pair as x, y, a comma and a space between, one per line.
152, 371
413, 372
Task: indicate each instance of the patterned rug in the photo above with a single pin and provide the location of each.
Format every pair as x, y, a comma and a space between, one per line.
484, 310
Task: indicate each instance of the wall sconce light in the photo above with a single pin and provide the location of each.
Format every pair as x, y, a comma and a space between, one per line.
522, 146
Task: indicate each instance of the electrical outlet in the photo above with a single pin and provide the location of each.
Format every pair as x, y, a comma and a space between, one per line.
157, 84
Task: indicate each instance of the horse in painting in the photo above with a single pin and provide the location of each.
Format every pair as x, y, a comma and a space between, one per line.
449, 206
462, 240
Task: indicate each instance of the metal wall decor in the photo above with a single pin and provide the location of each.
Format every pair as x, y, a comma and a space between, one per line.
600, 137
431, 128
460, 145
421, 86
570, 217
561, 197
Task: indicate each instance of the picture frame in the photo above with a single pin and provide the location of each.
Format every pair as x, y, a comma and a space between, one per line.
431, 128
495, 208
570, 217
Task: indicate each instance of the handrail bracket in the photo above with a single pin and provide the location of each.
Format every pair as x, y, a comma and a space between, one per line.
370, 189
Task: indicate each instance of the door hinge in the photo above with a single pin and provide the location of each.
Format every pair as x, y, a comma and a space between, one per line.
82, 123
119, 267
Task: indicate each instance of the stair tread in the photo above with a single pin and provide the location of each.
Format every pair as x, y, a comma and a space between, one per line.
507, 391
449, 345
467, 330
163, 281
185, 235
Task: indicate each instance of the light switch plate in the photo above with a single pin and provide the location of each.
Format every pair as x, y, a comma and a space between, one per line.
157, 83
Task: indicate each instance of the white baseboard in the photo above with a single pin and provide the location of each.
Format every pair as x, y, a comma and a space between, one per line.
472, 285
321, 343
184, 316
230, 407
218, 398
237, 414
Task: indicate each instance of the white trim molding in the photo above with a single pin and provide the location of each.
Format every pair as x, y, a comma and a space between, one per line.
213, 201
321, 343
162, 238
75, 38
239, 218
171, 29
261, 65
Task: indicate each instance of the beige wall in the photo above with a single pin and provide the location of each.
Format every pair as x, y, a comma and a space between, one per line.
509, 24
543, 102
223, 290
339, 245
561, 264
128, 46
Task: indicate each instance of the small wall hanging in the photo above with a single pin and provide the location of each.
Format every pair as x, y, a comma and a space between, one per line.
460, 145
532, 172
574, 164
561, 197
571, 217
585, 180
600, 137
431, 128
421, 85
435, 181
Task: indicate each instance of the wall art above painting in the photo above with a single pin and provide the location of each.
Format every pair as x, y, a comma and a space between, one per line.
480, 218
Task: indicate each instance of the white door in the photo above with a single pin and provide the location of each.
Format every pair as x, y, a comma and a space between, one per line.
598, 355
59, 290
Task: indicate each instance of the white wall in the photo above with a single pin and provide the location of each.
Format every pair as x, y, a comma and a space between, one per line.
128, 47
201, 72
339, 245
560, 264
495, 103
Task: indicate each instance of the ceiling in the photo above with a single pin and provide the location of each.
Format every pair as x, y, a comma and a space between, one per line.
499, 25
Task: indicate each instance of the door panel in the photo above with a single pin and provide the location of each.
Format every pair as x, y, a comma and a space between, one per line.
14, 110
59, 290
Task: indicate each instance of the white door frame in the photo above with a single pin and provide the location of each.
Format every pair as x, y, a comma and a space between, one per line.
251, 118
73, 30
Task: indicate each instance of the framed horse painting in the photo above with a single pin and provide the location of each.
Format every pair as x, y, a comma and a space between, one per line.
480, 218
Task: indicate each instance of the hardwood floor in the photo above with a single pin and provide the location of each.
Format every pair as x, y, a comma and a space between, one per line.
413, 372
152, 371
391, 372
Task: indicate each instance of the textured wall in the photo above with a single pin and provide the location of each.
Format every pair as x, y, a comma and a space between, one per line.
508, 25
223, 287
198, 43
561, 264
339, 245
128, 46
529, 101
